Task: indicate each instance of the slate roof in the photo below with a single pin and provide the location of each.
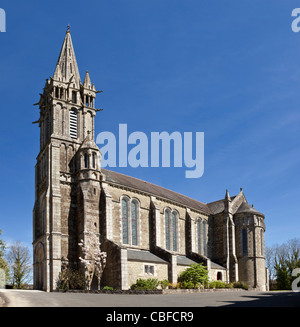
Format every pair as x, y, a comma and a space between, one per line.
246, 207
147, 256
158, 191
137, 184
184, 261
143, 255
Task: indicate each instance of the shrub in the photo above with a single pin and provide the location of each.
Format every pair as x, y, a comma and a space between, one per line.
108, 288
240, 285
217, 284
188, 285
164, 284
145, 284
174, 286
194, 276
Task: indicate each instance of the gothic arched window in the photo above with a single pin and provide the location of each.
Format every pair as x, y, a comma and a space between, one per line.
125, 220
94, 160
74, 96
174, 230
261, 242
204, 237
244, 242
167, 228
86, 160
199, 235
171, 230
134, 214
130, 221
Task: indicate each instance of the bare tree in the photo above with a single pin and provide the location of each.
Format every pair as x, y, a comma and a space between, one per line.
270, 262
20, 264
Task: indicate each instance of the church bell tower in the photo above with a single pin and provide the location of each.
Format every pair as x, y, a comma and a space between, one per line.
67, 171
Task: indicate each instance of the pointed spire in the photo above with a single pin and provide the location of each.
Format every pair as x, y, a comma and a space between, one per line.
87, 81
227, 197
66, 67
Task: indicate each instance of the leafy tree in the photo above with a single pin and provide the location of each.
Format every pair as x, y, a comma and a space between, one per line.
194, 276
287, 258
20, 264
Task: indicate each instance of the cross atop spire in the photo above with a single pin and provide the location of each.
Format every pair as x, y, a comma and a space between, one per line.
66, 68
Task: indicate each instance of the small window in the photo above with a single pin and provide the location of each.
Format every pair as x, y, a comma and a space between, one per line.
48, 127
74, 96
86, 160
149, 270
94, 160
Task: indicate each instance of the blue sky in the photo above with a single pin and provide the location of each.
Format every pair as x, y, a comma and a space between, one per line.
230, 69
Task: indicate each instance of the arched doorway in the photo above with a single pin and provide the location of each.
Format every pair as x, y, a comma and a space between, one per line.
219, 275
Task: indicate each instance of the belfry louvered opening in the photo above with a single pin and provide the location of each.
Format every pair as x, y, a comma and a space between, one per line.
73, 123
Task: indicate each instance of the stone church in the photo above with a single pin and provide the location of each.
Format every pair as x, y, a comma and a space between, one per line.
146, 230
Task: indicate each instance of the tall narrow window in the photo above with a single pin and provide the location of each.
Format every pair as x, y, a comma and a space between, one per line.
261, 242
74, 96
204, 237
167, 229
244, 242
174, 230
48, 127
86, 160
125, 220
73, 124
199, 231
94, 160
134, 214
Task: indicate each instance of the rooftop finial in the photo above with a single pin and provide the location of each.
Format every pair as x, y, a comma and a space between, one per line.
68, 28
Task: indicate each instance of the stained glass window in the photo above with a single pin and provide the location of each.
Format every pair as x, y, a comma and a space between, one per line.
167, 229
174, 230
125, 221
204, 238
134, 222
199, 231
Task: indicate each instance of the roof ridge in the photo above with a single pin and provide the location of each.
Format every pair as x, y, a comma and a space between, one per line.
155, 185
